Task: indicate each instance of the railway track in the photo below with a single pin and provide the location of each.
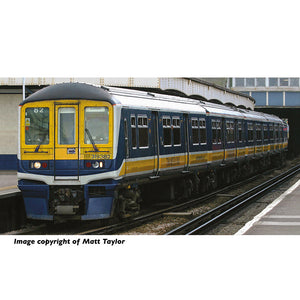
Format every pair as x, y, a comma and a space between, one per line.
204, 222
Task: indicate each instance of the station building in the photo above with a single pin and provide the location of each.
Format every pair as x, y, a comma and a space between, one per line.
275, 95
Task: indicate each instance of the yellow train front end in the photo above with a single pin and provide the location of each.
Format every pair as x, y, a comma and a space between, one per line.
66, 154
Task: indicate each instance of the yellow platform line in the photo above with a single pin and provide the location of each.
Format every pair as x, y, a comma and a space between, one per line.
8, 188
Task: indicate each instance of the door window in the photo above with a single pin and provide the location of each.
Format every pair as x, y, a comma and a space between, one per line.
66, 126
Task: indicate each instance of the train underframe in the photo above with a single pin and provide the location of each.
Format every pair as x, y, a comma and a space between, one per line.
170, 189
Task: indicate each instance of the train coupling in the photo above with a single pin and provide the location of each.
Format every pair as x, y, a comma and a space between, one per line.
66, 201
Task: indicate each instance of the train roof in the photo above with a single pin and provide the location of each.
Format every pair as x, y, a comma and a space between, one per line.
142, 100
70, 90
133, 98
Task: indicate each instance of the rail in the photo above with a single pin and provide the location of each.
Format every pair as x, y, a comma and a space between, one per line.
139, 220
203, 222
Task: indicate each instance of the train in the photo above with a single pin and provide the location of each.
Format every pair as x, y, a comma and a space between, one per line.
88, 152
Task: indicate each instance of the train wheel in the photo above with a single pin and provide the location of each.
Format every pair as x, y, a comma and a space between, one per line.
213, 180
188, 188
129, 202
234, 174
204, 184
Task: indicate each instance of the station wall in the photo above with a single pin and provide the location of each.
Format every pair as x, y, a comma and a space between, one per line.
275, 98
9, 130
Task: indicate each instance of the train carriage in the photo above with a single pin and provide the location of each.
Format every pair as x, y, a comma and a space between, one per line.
90, 152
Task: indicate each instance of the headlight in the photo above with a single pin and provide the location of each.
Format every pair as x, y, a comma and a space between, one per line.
95, 165
37, 165
44, 165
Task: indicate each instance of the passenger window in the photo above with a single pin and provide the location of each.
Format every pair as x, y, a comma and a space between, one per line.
240, 132
176, 131
271, 132
258, 132
202, 125
216, 132
143, 131
133, 131
219, 132
250, 132
230, 131
167, 131
281, 133
276, 133
265, 132
195, 131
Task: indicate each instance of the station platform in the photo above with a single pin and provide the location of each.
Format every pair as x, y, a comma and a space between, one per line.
8, 182
281, 217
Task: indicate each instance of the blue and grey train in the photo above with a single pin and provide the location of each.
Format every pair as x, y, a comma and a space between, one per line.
92, 152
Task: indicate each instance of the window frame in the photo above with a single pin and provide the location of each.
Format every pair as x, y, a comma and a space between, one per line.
258, 128
141, 126
26, 121
240, 132
271, 132
176, 126
251, 129
218, 130
230, 132
85, 119
195, 126
59, 114
167, 126
265, 132
202, 128
133, 129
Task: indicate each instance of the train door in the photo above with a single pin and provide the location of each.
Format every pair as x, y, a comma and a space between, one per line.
155, 141
223, 138
66, 145
126, 136
139, 152
236, 139
186, 141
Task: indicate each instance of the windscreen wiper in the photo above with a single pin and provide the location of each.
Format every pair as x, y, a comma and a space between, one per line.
41, 142
91, 139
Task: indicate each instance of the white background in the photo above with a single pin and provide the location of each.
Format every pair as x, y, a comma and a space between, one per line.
148, 39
